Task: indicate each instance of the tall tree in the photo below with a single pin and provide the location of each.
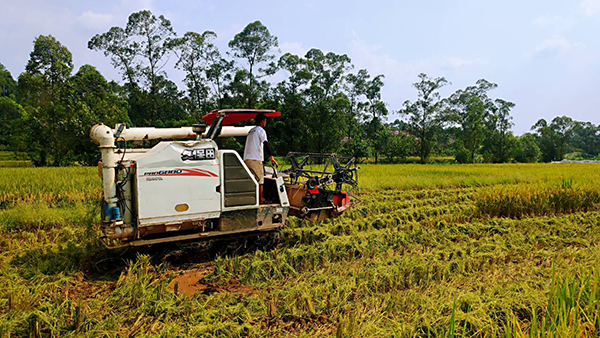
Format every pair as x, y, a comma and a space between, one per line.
424, 114
545, 139
90, 91
196, 53
526, 149
117, 45
292, 131
219, 74
586, 136
43, 91
327, 105
468, 108
499, 143
140, 51
10, 113
255, 45
8, 85
51, 60
366, 105
554, 138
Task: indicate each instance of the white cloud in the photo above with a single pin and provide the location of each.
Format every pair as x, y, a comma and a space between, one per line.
590, 7
95, 21
546, 20
456, 62
293, 47
555, 45
369, 56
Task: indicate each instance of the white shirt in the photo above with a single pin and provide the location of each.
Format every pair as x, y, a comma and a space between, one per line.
254, 144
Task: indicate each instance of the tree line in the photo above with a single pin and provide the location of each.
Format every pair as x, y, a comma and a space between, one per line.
326, 105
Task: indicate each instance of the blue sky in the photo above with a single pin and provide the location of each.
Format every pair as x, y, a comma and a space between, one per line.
542, 54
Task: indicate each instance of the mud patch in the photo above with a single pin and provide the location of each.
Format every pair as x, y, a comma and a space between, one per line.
191, 282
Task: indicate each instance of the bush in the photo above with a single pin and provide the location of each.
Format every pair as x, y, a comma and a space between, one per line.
462, 155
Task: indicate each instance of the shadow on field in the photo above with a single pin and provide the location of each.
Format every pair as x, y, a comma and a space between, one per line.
98, 263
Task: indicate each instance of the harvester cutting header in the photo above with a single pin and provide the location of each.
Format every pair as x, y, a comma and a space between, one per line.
191, 189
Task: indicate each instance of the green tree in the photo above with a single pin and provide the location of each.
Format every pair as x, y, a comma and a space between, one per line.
545, 140
328, 108
50, 60
139, 51
290, 132
43, 89
554, 138
219, 74
196, 54
499, 142
10, 114
423, 115
366, 106
526, 149
90, 91
8, 85
586, 136
255, 45
468, 109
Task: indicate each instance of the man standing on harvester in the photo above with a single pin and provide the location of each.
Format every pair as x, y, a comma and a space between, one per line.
256, 146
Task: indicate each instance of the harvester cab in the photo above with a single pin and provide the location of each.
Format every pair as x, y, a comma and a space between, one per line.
187, 188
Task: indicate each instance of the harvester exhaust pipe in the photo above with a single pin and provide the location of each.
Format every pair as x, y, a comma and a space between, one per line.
103, 136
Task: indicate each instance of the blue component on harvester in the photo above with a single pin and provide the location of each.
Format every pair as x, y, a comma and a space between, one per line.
114, 213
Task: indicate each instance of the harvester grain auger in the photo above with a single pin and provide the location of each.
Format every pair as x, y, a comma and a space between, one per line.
191, 189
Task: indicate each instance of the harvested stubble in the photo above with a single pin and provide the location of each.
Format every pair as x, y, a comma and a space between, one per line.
423, 255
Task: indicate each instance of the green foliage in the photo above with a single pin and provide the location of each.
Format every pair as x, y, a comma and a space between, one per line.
60, 109
139, 51
254, 45
586, 136
398, 146
51, 60
196, 53
462, 155
44, 92
554, 138
326, 106
526, 149
10, 114
499, 143
424, 115
8, 85
468, 108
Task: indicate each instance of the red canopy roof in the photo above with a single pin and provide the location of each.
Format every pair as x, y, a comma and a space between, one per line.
237, 115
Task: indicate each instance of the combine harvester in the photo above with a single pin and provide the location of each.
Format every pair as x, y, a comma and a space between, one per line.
187, 190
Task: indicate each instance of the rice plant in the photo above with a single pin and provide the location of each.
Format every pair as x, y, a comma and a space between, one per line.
436, 250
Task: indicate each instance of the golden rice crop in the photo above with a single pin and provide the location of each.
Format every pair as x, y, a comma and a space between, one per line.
538, 199
421, 256
48, 185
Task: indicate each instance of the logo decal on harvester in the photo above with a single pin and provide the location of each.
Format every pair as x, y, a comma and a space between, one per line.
180, 172
198, 154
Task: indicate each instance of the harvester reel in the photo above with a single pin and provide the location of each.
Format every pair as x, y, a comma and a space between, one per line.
325, 185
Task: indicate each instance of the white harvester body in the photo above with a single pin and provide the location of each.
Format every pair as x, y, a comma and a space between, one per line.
183, 190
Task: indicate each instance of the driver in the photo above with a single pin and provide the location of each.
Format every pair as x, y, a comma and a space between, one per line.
256, 146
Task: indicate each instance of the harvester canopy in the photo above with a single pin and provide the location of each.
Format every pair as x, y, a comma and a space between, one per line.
237, 115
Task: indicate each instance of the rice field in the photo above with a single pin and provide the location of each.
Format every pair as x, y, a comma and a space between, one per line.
434, 250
